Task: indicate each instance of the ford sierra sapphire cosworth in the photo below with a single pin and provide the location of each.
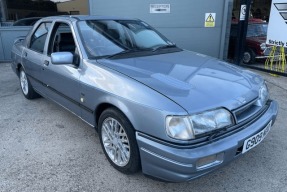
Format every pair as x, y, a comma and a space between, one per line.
173, 113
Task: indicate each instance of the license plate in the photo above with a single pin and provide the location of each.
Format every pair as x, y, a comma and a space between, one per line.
256, 139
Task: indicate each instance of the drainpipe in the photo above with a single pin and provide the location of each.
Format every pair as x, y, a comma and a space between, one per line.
3, 6
242, 30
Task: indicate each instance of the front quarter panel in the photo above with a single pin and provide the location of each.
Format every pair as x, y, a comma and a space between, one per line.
145, 108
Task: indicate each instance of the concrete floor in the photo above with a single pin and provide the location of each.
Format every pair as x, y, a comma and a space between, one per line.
45, 148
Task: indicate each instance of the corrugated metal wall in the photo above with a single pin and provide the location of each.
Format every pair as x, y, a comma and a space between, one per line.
184, 25
7, 37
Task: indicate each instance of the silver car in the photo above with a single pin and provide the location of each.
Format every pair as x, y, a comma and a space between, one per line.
173, 113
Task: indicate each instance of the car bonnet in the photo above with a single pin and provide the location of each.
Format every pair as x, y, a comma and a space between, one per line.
194, 81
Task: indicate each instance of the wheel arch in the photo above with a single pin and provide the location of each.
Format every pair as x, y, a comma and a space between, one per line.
99, 110
133, 163
18, 67
106, 105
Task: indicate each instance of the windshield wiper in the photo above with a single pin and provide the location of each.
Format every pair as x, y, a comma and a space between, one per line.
163, 47
128, 51
123, 53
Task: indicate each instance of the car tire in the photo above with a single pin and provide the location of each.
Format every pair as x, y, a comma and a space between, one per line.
117, 137
26, 86
248, 56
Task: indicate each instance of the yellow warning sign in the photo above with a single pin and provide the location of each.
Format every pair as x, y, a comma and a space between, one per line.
209, 19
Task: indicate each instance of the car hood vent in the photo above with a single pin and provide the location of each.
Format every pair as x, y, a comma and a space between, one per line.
172, 81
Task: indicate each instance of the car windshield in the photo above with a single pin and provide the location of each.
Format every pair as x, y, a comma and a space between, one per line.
102, 38
256, 30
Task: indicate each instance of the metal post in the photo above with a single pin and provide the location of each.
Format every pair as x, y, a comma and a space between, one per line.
242, 30
4, 10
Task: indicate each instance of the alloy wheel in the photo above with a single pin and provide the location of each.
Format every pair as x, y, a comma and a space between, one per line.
115, 142
24, 82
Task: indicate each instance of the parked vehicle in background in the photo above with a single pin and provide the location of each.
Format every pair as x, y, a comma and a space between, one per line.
255, 47
174, 113
26, 21
6, 24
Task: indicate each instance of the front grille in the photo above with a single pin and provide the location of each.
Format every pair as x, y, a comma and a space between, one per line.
247, 111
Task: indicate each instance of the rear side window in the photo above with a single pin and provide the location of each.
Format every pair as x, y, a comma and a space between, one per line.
39, 37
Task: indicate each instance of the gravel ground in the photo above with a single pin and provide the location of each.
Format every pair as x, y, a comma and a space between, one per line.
43, 147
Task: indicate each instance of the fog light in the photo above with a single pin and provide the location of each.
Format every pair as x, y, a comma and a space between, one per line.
209, 161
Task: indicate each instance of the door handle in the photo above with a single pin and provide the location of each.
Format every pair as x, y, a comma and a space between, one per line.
46, 62
25, 54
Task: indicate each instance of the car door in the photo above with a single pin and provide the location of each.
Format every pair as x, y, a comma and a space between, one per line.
32, 58
62, 80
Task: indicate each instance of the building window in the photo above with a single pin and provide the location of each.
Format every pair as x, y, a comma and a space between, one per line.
74, 12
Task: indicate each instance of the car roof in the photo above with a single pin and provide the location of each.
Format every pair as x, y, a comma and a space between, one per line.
26, 21
250, 21
89, 17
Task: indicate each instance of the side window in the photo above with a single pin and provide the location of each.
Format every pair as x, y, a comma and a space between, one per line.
62, 39
39, 37
251, 31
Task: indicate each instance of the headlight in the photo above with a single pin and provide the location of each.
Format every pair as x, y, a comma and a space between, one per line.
263, 95
263, 46
187, 127
211, 120
179, 127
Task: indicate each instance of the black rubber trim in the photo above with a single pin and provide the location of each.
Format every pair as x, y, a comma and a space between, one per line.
63, 95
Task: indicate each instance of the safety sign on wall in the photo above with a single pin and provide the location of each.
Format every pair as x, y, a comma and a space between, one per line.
159, 8
277, 27
242, 12
209, 19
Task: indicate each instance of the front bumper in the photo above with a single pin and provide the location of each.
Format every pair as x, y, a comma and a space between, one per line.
267, 53
177, 164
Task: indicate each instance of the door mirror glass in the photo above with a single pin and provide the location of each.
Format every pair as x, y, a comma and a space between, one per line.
61, 58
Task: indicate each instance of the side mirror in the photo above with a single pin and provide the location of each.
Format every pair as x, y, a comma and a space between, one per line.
61, 58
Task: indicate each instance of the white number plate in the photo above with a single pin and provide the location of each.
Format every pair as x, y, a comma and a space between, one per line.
256, 139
